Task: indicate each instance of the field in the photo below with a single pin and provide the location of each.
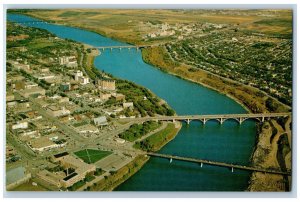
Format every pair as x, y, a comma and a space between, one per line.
91, 155
131, 25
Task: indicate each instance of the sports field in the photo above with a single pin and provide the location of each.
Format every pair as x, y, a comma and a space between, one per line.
91, 155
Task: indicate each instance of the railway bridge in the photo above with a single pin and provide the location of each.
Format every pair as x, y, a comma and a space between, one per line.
221, 118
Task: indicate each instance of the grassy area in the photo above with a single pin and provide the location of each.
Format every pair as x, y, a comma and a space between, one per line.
91, 155
136, 131
157, 140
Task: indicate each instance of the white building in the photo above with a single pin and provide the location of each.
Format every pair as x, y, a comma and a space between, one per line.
78, 74
69, 61
84, 80
20, 125
128, 105
100, 121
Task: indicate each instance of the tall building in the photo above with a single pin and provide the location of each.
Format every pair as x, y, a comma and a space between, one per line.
78, 74
106, 84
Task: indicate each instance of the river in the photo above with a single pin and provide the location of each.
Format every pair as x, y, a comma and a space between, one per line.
229, 142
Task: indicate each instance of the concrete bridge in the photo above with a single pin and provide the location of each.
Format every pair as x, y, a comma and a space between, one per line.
122, 47
221, 164
221, 118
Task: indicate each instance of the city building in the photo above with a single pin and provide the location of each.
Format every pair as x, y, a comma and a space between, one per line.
100, 121
20, 125
88, 128
69, 61
75, 168
56, 111
78, 74
65, 87
43, 143
105, 96
84, 80
32, 92
106, 84
118, 96
127, 105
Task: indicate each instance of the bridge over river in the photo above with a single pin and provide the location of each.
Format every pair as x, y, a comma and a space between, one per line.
221, 164
221, 118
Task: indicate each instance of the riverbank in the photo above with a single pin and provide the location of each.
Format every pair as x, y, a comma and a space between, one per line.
269, 154
253, 100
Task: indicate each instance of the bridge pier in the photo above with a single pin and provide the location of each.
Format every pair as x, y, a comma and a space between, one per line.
188, 121
204, 121
263, 119
241, 120
232, 169
221, 120
201, 165
110, 49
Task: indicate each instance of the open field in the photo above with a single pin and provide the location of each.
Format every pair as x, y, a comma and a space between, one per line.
91, 155
130, 25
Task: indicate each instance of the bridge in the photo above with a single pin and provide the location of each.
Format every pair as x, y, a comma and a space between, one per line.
32, 22
122, 47
221, 118
220, 164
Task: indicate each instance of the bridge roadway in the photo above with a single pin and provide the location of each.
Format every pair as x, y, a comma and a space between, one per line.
122, 47
32, 22
204, 118
221, 164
